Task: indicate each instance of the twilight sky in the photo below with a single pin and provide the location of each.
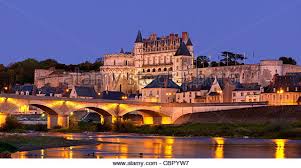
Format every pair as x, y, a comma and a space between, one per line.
73, 31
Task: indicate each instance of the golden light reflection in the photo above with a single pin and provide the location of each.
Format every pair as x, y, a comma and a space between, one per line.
280, 148
42, 153
23, 155
2, 99
67, 153
99, 147
123, 151
168, 148
69, 136
2, 119
148, 120
219, 148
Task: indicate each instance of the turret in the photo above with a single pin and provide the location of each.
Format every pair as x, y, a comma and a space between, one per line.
190, 46
138, 50
183, 61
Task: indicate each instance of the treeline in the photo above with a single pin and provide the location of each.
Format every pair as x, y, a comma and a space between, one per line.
23, 71
229, 58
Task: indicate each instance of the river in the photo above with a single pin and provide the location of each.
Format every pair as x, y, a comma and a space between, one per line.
136, 146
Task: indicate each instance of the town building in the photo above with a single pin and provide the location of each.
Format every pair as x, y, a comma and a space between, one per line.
283, 90
160, 90
83, 92
58, 78
249, 92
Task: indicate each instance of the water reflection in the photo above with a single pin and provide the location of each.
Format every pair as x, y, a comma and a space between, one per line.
123, 151
219, 147
170, 147
42, 153
280, 148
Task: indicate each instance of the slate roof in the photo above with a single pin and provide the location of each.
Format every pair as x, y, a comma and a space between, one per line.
213, 94
288, 82
139, 37
47, 90
85, 91
189, 43
198, 84
246, 87
182, 50
112, 95
162, 82
26, 87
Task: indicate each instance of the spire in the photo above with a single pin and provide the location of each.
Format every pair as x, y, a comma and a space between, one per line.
139, 37
121, 51
182, 50
189, 43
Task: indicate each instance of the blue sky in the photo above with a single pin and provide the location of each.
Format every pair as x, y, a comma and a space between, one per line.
75, 31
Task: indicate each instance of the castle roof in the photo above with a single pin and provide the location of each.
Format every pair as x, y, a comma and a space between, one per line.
247, 86
85, 91
189, 43
112, 95
182, 50
162, 82
139, 37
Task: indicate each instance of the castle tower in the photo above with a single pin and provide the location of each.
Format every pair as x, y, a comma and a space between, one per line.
183, 61
138, 50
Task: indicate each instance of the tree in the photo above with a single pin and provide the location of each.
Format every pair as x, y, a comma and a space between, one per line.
288, 60
48, 63
230, 58
202, 61
213, 64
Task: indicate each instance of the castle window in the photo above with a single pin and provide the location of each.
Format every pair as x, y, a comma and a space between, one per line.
159, 70
170, 69
148, 70
114, 62
143, 70
165, 69
154, 70
126, 62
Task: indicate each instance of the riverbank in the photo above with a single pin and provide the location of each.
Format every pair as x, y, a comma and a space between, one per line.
280, 130
11, 143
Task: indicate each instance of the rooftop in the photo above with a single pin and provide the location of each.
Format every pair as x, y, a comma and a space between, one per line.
162, 82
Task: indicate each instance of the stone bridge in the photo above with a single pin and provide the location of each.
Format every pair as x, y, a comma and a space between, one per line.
59, 109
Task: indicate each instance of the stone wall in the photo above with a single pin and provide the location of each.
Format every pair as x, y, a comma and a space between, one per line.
247, 115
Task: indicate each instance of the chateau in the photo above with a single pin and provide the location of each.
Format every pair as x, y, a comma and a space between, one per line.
171, 56
129, 72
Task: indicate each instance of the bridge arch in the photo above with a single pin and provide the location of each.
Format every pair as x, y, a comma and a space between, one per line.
106, 116
45, 108
150, 117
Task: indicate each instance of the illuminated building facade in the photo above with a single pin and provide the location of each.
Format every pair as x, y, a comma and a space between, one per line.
284, 90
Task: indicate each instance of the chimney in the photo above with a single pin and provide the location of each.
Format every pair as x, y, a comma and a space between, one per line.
261, 89
184, 36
